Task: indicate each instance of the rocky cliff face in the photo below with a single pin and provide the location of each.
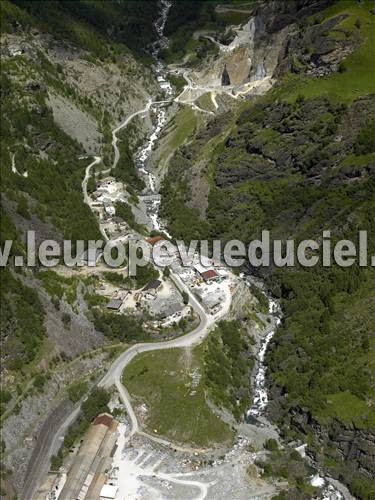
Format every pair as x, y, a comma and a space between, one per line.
275, 15
250, 54
344, 444
275, 139
274, 22
254, 50
324, 54
225, 80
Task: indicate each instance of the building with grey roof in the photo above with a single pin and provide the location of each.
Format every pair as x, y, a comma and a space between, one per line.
152, 286
115, 304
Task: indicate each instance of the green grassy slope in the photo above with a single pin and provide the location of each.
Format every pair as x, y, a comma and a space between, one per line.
170, 384
357, 77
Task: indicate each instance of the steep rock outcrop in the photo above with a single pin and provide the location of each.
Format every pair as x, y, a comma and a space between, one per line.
275, 15
273, 22
225, 80
344, 443
324, 52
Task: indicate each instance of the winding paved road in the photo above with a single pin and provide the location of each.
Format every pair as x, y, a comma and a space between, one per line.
50, 444
113, 375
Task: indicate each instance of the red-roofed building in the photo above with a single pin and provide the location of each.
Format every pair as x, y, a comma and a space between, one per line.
209, 275
154, 239
104, 419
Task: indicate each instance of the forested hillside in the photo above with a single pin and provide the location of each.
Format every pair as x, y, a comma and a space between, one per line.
103, 28
297, 161
70, 71
44, 45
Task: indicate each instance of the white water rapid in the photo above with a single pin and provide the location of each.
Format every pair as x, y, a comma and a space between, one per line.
152, 198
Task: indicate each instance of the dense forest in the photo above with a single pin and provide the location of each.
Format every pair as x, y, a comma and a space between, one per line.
229, 362
103, 28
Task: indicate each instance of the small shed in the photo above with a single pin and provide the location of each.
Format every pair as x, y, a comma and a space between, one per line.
115, 304
209, 275
108, 491
152, 286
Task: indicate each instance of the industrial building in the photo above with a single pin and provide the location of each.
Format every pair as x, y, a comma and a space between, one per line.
88, 474
209, 275
206, 274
